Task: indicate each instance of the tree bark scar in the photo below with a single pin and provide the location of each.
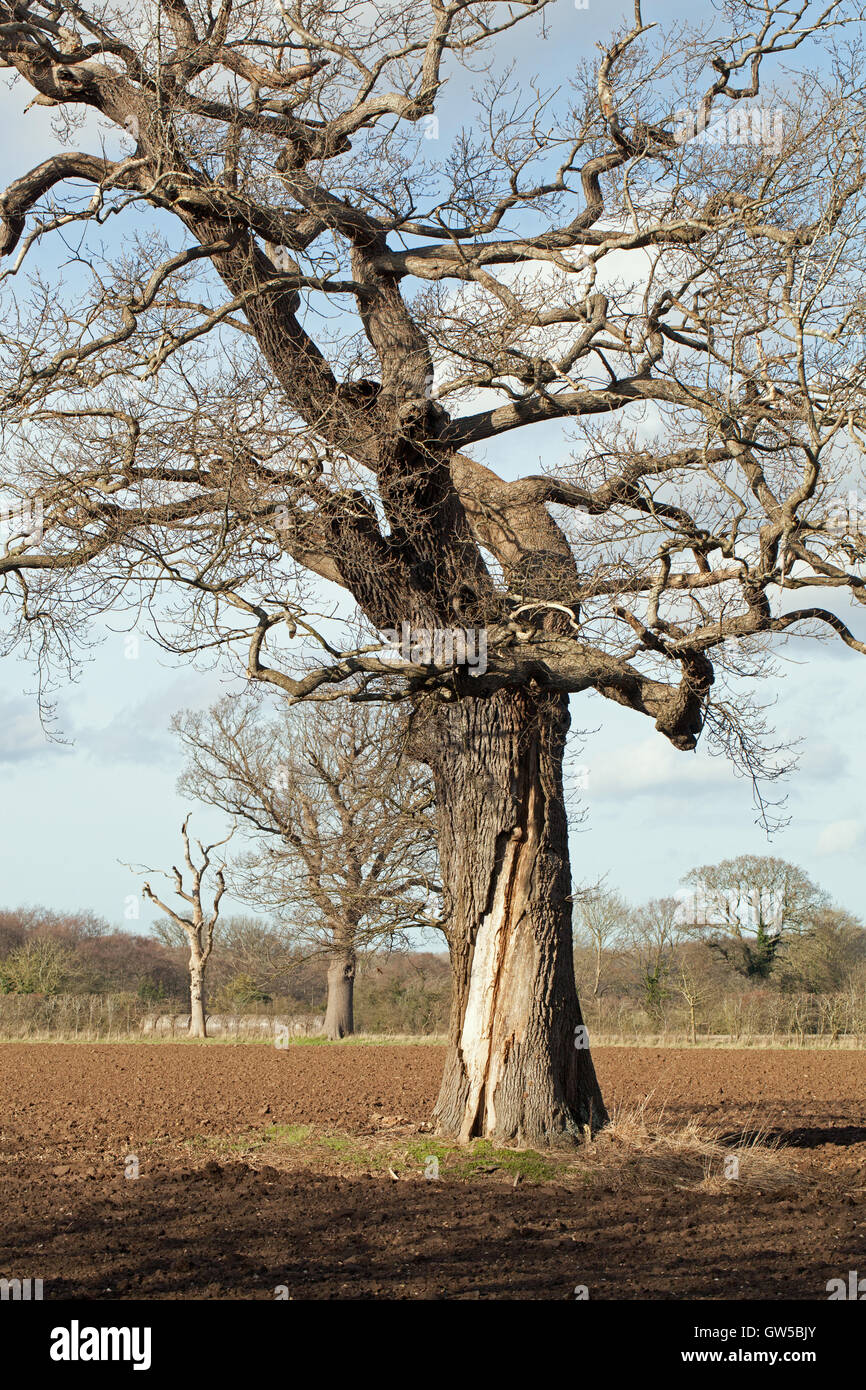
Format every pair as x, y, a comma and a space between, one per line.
493, 937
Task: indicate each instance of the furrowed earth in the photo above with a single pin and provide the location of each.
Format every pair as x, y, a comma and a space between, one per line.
303, 1171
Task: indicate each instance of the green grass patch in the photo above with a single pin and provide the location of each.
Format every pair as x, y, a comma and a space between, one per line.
288, 1134
526, 1163
479, 1158
295, 1146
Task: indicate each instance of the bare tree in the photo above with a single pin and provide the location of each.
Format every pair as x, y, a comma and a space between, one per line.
748, 908
599, 917
343, 822
277, 391
693, 989
653, 935
198, 926
823, 958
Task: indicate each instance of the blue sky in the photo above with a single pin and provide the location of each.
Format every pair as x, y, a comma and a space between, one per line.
72, 811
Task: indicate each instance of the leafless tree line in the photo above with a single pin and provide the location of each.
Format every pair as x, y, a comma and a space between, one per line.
752, 924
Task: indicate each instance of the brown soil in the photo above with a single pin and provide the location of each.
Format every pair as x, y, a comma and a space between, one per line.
219, 1213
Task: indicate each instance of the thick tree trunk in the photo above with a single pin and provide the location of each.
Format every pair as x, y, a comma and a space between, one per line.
339, 1014
197, 1020
517, 1066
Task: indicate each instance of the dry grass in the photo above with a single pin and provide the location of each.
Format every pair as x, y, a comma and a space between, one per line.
646, 1148
810, 1042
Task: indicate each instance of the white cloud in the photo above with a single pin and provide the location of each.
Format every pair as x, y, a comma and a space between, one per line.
139, 733
822, 761
840, 837
21, 734
651, 766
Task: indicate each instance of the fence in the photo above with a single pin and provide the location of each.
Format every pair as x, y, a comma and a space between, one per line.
235, 1025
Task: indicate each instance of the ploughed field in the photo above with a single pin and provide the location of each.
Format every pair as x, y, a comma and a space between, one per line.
303, 1170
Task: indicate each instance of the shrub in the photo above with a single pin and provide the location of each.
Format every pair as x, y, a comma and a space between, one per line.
41, 966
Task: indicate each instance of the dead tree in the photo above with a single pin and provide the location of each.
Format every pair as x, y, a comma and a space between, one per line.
198, 926
277, 396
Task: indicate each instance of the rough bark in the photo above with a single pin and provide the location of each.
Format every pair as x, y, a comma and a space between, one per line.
515, 1068
197, 1019
339, 1014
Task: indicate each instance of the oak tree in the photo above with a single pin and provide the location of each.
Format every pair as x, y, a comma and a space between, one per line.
340, 818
